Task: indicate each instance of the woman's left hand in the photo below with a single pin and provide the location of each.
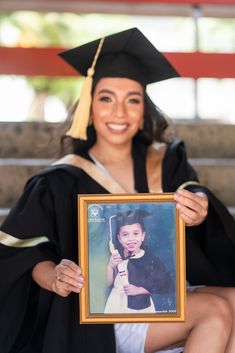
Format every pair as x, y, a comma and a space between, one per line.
193, 208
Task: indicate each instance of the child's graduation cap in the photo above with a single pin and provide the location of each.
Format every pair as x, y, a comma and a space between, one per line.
125, 218
127, 54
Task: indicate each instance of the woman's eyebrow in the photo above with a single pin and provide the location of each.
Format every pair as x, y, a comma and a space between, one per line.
135, 93
105, 90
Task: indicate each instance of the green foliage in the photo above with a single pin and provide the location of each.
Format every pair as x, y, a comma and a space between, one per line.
34, 29
66, 89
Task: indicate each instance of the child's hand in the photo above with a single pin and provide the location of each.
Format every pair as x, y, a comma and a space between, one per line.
115, 259
130, 289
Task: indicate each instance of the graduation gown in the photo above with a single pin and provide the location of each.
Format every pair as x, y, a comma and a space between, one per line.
43, 226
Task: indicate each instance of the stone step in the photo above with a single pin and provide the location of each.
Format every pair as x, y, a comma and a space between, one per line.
217, 174
207, 139
13, 175
41, 139
28, 140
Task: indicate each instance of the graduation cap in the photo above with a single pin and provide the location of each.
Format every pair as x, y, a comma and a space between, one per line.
127, 54
123, 219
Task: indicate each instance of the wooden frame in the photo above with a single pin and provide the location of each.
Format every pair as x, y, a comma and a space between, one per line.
161, 295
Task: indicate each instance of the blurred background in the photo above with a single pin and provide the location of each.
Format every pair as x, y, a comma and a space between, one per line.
37, 88
206, 90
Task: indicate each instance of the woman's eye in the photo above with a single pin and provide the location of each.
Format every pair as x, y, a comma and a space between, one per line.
105, 99
134, 101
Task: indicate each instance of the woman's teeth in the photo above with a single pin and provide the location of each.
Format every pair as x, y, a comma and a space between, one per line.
117, 127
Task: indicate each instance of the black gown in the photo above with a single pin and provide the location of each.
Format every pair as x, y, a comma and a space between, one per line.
34, 320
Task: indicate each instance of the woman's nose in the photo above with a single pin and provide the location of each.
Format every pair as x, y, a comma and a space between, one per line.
120, 110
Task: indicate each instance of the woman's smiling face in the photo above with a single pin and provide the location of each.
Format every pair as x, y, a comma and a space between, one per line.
117, 109
131, 237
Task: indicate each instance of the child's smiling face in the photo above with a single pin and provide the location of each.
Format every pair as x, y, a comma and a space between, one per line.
131, 237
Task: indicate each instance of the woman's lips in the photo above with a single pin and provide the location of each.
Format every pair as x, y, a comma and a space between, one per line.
117, 128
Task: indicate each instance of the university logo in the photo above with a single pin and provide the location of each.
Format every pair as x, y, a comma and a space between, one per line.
95, 213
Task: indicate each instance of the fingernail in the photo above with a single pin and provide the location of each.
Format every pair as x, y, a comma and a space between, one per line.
181, 191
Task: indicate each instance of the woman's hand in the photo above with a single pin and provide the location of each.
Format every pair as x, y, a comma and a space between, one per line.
67, 278
64, 278
193, 208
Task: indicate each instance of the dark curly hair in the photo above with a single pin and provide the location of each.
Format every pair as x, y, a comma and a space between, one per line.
156, 126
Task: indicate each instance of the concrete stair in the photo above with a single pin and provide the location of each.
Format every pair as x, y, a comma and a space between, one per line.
28, 147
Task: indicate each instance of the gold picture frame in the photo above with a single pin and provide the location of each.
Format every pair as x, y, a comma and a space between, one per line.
143, 232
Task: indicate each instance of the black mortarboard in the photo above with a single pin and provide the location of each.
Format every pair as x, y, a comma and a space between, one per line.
126, 54
130, 217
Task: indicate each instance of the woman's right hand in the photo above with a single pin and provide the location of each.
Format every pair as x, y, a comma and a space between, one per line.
68, 278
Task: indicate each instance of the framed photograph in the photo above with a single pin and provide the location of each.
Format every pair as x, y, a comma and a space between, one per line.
132, 252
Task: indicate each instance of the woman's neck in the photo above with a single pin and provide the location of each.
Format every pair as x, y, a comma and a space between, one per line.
117, 160
108, 154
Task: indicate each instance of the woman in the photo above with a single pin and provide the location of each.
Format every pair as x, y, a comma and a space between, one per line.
40, 277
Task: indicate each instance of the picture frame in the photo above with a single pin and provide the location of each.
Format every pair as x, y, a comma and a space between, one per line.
122, 240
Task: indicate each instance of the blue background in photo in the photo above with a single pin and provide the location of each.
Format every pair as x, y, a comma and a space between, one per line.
160, 239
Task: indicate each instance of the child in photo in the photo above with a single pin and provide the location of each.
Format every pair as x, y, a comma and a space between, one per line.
134, 273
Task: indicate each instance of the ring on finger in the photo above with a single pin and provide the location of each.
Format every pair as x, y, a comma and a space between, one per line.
58, 277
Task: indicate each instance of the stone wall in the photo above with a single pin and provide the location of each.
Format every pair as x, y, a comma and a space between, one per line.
26, 148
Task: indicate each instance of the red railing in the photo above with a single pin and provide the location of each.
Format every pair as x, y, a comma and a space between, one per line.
45, 61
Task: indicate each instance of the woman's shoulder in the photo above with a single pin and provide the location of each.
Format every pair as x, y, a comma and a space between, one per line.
175, 145
171, 147
168, 151
175, 151
61, 173
67, 167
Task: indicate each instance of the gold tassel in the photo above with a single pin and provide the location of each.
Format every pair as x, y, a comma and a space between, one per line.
81, 117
